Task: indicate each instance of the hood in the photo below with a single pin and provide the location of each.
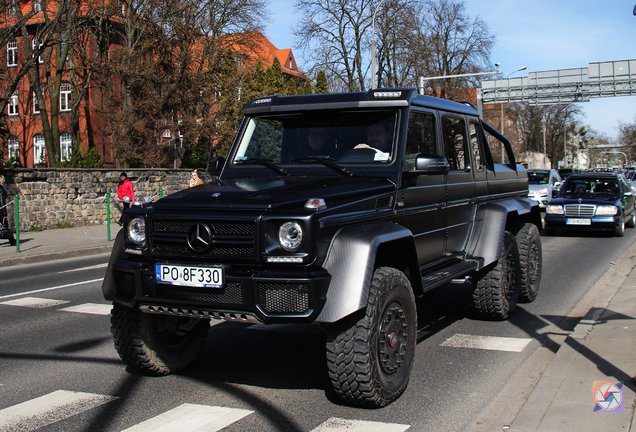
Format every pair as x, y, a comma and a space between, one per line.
538, 187
265, 193
595, 200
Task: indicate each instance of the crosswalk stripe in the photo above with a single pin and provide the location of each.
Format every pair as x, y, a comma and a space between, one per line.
34, 302
90, 308
93, 267
48, 409
495, 343
191, 417
343, 425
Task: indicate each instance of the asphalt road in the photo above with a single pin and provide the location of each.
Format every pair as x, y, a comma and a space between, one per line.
55, 344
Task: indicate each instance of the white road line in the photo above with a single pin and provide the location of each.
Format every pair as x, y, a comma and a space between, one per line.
51, 288
34, 302
343, 425
487, 342
190, 417
90, 308
48, 409
96, 266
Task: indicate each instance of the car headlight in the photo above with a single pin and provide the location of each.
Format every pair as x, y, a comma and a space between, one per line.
554, 209
137, 230
290, 236
606, 210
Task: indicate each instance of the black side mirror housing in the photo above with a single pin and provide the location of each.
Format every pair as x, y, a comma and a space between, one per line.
427, 163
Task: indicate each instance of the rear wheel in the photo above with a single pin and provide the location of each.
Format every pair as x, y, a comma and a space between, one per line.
496, 288
530, 262
369, 357
157, 344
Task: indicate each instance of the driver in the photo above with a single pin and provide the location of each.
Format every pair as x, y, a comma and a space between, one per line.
377, 139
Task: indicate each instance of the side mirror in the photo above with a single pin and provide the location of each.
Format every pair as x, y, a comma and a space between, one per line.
215, 166
555, 193
427, 163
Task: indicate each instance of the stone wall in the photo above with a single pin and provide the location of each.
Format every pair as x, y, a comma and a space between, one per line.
58, 198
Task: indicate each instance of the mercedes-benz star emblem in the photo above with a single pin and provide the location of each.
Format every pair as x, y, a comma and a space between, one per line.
199, 238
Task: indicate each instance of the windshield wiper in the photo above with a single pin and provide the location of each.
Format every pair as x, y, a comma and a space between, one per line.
326, 161
265, 162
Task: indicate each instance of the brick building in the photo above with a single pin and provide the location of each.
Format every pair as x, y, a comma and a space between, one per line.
80, 118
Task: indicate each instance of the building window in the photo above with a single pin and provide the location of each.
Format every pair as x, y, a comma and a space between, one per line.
37, 46
37, 5
65, 97
66, 147
12, 53
36, 105
38, 149
14, 148
12, 106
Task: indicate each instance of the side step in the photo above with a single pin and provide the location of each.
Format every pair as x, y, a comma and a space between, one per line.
441, 276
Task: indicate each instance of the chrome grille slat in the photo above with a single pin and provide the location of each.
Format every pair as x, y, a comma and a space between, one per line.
580, 210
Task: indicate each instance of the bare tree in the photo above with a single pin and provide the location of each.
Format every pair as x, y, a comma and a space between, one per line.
455, 44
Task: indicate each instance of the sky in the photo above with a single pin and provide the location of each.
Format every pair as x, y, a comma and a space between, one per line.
540, 34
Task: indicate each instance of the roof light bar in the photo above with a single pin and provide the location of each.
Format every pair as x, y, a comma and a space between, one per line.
387, 94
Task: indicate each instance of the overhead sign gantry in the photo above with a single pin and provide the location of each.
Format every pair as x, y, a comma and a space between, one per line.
598, 79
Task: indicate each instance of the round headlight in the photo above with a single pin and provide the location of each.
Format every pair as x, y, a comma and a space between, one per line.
290, 235
137, 230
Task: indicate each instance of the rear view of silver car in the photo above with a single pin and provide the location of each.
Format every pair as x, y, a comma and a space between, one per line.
541, 184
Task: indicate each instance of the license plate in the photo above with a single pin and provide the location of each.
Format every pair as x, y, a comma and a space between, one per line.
194, 276
573, 221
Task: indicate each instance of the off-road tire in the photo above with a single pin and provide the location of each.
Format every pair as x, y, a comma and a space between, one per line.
530, 262
496, 287
157, 344
369, 357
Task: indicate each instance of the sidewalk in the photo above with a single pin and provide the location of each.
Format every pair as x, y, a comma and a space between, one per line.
58, 243
602, 347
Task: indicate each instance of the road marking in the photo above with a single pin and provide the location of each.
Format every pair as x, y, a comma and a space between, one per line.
34, 302
48, 409
96, 266
342, 425
51, 288
487, 342
90, 308
191, 417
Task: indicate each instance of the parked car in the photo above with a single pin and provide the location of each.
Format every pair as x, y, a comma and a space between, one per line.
541, 184
631, 177
592, 201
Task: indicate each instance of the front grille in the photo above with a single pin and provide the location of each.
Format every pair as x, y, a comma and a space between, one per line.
283, 297
231, 294
230, 239
577, 210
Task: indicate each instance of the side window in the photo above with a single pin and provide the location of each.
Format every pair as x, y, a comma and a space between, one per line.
421, 137
455, 142
475, 146
497, 150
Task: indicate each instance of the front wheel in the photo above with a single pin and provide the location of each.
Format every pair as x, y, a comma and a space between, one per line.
369, 358
631, 222
620, 228
157, 344
496, 287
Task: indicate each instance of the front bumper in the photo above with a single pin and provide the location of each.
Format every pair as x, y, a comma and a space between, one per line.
542, 200
248, 294
596, 223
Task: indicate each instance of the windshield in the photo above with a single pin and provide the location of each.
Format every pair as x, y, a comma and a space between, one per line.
346, 137
590, 186
538, 177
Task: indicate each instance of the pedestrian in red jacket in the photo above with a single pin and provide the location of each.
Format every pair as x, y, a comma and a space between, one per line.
125, 192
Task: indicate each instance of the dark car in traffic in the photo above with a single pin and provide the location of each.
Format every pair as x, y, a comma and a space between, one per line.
592, 201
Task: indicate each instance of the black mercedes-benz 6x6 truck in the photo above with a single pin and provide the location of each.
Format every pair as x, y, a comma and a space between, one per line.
340, 210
